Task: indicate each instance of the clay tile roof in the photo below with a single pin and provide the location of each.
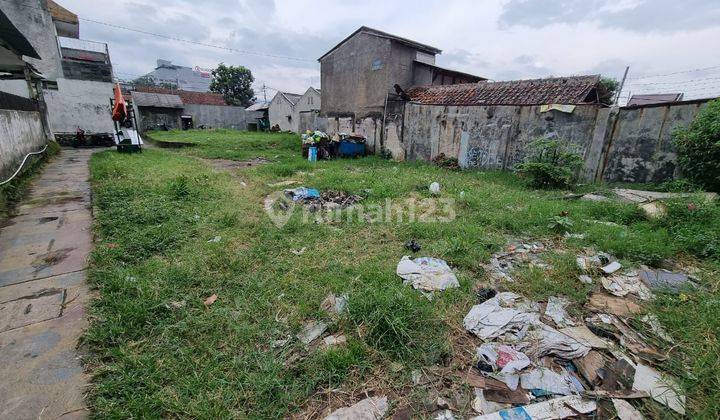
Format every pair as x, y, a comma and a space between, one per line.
555, 90
188, 97
60, 13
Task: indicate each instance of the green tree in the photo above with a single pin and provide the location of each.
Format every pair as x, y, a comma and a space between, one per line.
234, 83
607, 89
698, 148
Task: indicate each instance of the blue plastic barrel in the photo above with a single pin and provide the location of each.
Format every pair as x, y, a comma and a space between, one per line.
312, 154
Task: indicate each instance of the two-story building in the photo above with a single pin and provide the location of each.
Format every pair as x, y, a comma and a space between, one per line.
359, 73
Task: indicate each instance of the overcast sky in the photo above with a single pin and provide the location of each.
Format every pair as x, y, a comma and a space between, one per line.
498, 39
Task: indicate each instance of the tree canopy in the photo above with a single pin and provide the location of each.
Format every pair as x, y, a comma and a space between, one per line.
234, 83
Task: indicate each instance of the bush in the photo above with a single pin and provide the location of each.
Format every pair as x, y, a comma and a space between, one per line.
698, 148
550, 164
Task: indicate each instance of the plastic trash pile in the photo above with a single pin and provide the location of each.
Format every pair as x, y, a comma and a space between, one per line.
314, 137
326, 200
426, 274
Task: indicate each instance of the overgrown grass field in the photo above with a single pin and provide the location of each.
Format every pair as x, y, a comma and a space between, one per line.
159, 351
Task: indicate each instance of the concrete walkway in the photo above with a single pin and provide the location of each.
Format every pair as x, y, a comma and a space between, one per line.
43, 257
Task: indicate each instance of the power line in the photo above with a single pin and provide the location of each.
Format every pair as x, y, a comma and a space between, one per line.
178, 39
674, 73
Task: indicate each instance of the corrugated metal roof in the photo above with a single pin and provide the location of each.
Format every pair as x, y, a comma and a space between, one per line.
258, 106
381, 34
555, 90
654, 98
158, 100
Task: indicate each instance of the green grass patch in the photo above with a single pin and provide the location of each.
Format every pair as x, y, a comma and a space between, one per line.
158, 212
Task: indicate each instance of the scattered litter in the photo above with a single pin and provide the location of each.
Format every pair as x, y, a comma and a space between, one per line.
625, 410
302, 193
661, 389
555, 310
426, 273
280, 343
299, 251
584, 278
654, 323
602, 302
569, 235
210, 300
311, 331
243, 183
482, 406
590, 365
445, 415
334, 340
588, 264
214, 240
334, 304
665, 280
338, 199
373, 408
416, 377
485, 293
558, 408
621, 394
435, 188
505, 358
442, 402
612, 267
547, 380
583, 335
542, 340
503, 263
412, 245
628, 283
176, 304
497, 316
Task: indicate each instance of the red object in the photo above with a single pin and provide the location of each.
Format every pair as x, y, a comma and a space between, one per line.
119, 112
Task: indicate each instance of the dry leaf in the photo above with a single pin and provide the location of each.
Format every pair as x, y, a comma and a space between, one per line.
209, 301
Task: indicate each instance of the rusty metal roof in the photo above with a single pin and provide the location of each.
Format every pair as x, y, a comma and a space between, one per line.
381, 34
555, 90
188, 97
157, 100
654, 98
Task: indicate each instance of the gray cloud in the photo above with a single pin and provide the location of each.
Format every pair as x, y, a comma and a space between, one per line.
644, 16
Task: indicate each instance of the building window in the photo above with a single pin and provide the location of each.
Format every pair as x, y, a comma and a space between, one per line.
377, 64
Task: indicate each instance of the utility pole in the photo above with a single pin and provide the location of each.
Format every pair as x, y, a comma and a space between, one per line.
622, 84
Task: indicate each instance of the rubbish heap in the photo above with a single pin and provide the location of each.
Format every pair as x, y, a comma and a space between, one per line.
515, 254
328, 200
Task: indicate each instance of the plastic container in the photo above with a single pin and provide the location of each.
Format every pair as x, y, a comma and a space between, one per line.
312, 154
349, 148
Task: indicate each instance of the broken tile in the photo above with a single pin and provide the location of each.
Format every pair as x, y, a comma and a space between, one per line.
662, 389
311, 331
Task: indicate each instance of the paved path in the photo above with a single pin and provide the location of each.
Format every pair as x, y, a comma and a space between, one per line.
43, 256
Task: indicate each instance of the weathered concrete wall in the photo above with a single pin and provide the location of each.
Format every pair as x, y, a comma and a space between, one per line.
350, 83
489, 137
281, 112
150, 118
21, 132
625, 144
640, 148
79, 103
219, 116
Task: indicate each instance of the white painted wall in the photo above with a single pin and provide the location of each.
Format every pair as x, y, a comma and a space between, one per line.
79, 103
279, 111
21, 132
